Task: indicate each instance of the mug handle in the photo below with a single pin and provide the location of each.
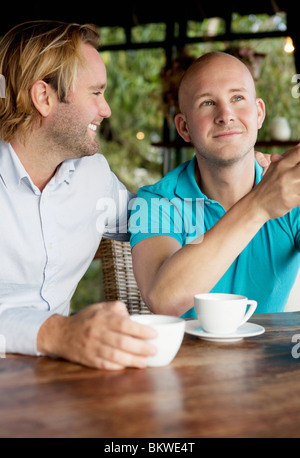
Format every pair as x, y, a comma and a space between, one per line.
251, 310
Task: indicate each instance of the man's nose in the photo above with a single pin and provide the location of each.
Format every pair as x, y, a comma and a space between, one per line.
224, 115
104, 109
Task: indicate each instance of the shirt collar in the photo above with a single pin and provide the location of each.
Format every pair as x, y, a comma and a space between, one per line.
13, 172
11, 168
64, 171
258, 172
186, 184
188, 187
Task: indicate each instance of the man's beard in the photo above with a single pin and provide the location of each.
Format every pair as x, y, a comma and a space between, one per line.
220, 161
68, 134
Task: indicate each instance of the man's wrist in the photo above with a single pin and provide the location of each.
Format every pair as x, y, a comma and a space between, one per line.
49, 334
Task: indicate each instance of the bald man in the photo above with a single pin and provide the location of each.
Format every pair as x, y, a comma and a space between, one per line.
215, 224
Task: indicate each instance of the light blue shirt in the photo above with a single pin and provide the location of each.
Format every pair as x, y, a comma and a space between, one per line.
48, 239
265, 270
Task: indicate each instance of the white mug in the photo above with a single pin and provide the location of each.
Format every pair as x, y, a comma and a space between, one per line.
170, 332
222, 314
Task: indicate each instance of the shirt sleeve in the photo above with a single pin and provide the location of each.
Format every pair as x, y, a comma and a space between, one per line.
19, 327
113, 211
152, 215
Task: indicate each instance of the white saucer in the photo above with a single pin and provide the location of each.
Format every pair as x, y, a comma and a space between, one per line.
246, 330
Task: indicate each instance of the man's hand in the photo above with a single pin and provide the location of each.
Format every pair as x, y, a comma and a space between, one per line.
264, 160
101, 336
279, 191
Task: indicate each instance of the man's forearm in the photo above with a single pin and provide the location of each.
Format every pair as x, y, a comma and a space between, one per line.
198, 266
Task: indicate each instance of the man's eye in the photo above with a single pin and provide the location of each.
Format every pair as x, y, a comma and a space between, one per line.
238, 97
207, 103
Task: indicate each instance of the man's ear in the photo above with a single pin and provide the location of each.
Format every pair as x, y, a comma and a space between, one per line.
181, 126
261, 112
42, 96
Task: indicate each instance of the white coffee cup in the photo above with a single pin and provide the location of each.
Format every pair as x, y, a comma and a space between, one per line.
220, 313
170, 332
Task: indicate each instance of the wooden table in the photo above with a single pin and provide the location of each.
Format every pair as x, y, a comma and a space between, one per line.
249, 388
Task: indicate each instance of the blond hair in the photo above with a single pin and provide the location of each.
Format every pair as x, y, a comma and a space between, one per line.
38, 50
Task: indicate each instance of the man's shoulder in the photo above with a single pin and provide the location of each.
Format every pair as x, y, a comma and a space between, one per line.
93, 167
97, 160
166, 186
95, 173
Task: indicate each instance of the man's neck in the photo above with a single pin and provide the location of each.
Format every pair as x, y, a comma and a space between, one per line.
38, 165
226, 185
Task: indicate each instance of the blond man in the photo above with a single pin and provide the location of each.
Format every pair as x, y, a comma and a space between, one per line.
58, 197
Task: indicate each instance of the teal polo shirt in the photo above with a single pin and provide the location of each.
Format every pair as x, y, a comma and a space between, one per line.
264, 271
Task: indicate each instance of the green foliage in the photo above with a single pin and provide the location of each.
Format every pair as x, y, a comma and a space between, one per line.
134, 94
274, 85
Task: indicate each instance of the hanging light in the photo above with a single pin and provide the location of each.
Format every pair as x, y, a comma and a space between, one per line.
289, 45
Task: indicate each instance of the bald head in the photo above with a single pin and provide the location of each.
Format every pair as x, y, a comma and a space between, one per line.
213, 65
220, 114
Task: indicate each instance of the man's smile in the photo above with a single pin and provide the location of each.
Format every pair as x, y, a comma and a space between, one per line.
93, 126
229, 133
